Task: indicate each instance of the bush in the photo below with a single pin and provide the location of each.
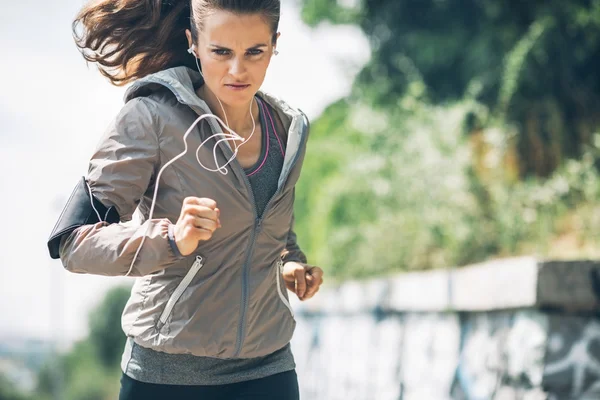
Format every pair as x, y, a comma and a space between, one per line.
419, 186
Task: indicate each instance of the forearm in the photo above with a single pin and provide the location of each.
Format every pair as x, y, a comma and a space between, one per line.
293, 252
102, 249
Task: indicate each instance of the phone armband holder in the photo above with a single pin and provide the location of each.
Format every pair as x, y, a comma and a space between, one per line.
78, 212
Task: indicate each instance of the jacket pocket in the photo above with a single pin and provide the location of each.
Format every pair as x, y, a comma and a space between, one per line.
183, 285
281, 286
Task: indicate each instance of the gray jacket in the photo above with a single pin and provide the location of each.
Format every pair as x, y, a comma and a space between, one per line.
226, 300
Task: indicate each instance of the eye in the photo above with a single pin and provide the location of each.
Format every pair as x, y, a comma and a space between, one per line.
221, 52
254, 52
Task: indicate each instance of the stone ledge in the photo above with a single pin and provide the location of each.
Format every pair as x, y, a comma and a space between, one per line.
511, 283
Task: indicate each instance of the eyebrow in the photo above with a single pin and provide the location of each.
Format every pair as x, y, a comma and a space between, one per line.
256, 46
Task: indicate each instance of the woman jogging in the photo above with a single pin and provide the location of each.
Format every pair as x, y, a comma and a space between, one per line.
199, 209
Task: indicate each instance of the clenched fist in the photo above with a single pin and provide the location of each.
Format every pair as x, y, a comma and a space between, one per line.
302, 279
198, 220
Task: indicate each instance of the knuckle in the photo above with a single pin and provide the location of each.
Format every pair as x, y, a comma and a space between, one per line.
208, 213
203, 210
210, 203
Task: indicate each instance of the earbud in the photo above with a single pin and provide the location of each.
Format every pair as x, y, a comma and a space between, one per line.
192, 51
275, 52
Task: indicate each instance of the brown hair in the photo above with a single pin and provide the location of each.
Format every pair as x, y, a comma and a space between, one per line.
130, 39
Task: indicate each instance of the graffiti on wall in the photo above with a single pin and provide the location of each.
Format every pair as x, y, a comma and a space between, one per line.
506, 355
572, 365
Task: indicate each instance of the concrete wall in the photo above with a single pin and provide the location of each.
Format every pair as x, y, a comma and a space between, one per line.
508, 329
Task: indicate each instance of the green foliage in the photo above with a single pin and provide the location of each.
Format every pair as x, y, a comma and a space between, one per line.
90, 371
315, 11
516, 59
105, 326
533, 63
9, 392
469, 135
383, 193
421, 186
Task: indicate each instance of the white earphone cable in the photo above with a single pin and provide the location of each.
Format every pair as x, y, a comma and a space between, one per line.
224, 137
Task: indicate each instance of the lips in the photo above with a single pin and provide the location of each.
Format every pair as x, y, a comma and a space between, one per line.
237, 86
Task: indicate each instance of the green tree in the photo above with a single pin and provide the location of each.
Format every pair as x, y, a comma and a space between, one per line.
106, 333
534, 62
90, 370
435, 158
9, 392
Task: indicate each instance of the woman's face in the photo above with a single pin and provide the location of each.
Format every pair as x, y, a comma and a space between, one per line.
234, 52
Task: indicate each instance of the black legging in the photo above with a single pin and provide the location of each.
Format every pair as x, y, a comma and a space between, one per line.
283, 386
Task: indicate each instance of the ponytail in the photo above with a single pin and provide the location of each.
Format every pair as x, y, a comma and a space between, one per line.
130, 39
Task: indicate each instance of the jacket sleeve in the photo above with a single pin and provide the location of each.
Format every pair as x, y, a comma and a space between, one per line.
292, 249
293, 252
121, 170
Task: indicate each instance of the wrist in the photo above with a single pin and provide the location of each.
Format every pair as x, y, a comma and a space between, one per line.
173, 241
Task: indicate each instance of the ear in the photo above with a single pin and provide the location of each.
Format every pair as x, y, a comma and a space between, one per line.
275, 44
188, 35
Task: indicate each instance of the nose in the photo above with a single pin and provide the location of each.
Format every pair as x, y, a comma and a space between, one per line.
237, 67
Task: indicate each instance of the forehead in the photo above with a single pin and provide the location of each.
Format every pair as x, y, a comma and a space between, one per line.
229, 29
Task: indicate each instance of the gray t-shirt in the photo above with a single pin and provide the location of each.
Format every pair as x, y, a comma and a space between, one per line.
147, 365
264, 175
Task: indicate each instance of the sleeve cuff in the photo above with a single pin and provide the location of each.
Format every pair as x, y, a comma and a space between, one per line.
172, 242
299, 258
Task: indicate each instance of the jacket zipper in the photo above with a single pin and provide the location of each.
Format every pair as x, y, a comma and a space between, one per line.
185, 282
257, 227
246, 270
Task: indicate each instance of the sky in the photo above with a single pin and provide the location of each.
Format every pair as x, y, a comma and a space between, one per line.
53, 110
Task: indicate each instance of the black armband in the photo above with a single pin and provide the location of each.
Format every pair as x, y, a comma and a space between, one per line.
78, 212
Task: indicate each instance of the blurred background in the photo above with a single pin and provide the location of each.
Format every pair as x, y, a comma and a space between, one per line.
444, 133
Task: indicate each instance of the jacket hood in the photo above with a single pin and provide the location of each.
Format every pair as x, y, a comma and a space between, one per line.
182, 81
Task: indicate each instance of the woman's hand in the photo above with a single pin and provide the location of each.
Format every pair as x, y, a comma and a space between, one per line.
198, 220
302, 279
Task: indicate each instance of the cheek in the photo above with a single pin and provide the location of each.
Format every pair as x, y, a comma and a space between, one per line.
259, 70
213, 70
